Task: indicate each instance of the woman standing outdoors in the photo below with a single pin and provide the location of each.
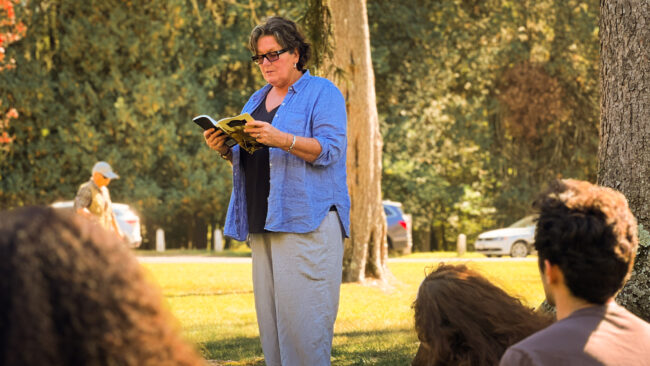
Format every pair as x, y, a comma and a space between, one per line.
290, 199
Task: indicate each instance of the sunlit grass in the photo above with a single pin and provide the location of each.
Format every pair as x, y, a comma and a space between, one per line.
236, 251
214, 304
241, 250
448, 254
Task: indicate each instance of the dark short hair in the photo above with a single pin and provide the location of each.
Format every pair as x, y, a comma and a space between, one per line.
590, 233
461, 318
71, 293
286, 33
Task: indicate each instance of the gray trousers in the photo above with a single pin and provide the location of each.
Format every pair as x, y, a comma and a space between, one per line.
296, 281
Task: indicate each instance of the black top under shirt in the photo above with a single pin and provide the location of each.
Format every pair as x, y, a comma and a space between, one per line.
257, 176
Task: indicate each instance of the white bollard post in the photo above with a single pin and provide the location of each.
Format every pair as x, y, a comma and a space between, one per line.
160, 240
218, 241
461, 245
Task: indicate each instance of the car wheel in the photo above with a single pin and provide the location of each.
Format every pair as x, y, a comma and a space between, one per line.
405, 251
489, 255
390, 242
519, 250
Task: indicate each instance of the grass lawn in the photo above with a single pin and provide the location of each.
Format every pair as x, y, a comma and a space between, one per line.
242, 250
238, 251
438, 255
214, 304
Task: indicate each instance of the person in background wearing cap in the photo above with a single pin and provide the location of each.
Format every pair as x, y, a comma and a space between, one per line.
93, 199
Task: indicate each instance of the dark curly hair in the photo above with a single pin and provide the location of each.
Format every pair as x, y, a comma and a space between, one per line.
463, 319
287, 34
590, 233
71, 293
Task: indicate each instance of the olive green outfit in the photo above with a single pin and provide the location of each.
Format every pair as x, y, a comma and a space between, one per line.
97, 201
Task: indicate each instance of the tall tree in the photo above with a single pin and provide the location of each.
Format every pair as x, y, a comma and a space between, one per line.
467, 91
120, 81
351, 69
624, 153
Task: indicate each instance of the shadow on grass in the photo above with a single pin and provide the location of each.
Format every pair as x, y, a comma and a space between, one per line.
382, 347
234, 351
385, 347
214, 293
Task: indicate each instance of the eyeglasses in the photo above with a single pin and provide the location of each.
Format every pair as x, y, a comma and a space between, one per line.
271, 56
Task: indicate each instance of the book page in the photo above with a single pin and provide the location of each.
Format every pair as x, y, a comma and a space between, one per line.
234, 127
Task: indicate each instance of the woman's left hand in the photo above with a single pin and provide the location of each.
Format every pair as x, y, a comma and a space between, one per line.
268, 135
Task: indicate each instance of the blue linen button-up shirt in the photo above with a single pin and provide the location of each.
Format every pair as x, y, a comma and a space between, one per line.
301, 193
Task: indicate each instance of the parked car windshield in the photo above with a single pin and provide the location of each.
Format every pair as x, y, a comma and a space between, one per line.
392, 209
525, 222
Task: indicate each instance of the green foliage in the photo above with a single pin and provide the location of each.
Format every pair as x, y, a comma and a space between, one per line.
447, 74
120, 81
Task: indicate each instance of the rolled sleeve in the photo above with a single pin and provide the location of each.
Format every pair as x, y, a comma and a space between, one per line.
330, 126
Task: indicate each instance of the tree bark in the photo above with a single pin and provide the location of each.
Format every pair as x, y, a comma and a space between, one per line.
624, 152
350, 68
199, 233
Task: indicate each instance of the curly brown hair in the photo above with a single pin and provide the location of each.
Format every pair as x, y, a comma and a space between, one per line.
71, 293
287, 34
461, 318
590, 233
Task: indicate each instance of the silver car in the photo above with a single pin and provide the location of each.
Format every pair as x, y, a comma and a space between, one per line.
126, 219
517, 240
398, 227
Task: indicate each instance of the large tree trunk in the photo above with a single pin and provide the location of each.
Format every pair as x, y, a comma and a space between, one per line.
198, 233
366, 250
624, 154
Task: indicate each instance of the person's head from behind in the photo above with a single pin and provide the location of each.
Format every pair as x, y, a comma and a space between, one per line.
279, 49
72, 294
461, 318
586, 239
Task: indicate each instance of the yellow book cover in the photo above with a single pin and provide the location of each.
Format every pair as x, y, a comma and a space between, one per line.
234, 128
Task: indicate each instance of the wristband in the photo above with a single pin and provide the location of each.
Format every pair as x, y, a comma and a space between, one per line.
293, 143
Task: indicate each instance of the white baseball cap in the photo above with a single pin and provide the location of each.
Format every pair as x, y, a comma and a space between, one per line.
104, 169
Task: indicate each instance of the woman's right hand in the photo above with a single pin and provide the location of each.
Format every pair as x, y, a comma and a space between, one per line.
216, 140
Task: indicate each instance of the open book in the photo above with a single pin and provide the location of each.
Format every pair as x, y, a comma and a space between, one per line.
234, 128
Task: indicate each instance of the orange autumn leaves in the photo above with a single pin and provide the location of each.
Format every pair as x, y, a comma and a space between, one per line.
10, 32
534, 101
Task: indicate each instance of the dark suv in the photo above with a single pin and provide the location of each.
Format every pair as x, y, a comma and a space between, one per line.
399, 227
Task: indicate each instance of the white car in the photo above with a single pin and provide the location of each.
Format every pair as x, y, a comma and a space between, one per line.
126, 219
517, 240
